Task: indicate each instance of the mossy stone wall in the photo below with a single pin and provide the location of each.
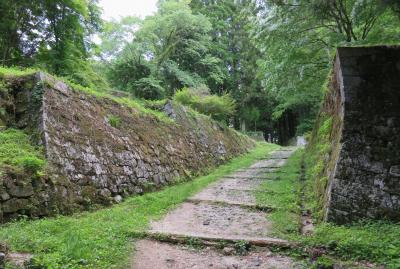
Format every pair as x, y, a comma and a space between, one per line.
99, 150
361, 158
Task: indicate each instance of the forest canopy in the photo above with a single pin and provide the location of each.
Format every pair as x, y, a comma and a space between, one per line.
271, 57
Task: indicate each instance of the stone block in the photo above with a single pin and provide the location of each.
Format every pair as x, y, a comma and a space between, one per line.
14, 205
367, 170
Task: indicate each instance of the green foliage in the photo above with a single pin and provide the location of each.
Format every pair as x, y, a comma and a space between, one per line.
157, 105
52, 35
136, 104
16, 150
169, 51
252, 114
298, 39
393, 4
242, 247
148, 88
325, 129
271, 56
16, 71
114, 121
31, 164
115, 35
218, 107
103, 239
374, 241
323, 262
320, 145
128, 66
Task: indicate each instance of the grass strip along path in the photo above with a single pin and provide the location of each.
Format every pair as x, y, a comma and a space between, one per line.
103, 239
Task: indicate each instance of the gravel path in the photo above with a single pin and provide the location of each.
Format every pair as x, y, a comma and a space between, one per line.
224, 211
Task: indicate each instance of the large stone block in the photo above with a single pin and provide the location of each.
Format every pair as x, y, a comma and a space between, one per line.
366, 180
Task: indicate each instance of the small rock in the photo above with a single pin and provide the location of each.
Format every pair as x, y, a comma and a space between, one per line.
4, 196
118, 199
105, 193
170, 260
395, 170
2, 260
21, 191
228, 251
3, 248
14, 204
19, 259
256, 262
268, 253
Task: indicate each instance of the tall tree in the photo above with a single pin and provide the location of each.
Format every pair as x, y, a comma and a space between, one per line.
64, 50
52, 34
173, 46
298, 40
115, 35
232, 42
20, 27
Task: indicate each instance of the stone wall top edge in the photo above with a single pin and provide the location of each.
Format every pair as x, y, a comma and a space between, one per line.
367, 50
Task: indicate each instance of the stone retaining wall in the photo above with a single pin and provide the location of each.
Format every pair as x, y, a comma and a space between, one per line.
364, 181
99, 150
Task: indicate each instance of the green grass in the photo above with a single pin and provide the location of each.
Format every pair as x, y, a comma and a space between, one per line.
282, 192
17, 151
374, 241
103, 239
114, 121
15, 71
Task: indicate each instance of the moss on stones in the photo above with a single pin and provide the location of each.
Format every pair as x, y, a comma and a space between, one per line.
99, 148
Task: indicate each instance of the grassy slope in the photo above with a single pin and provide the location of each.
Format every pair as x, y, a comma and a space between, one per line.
376, 241
102, 239
17, 151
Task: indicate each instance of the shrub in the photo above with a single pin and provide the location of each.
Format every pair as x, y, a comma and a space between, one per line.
148, 88
114, 121
218, 107
324, 262
157, 105
31, 164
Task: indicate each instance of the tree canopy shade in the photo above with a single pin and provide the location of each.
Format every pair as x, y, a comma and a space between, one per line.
298, 39
233, 43
52, 34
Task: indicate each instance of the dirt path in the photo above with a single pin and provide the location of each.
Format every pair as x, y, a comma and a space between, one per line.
225, 218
